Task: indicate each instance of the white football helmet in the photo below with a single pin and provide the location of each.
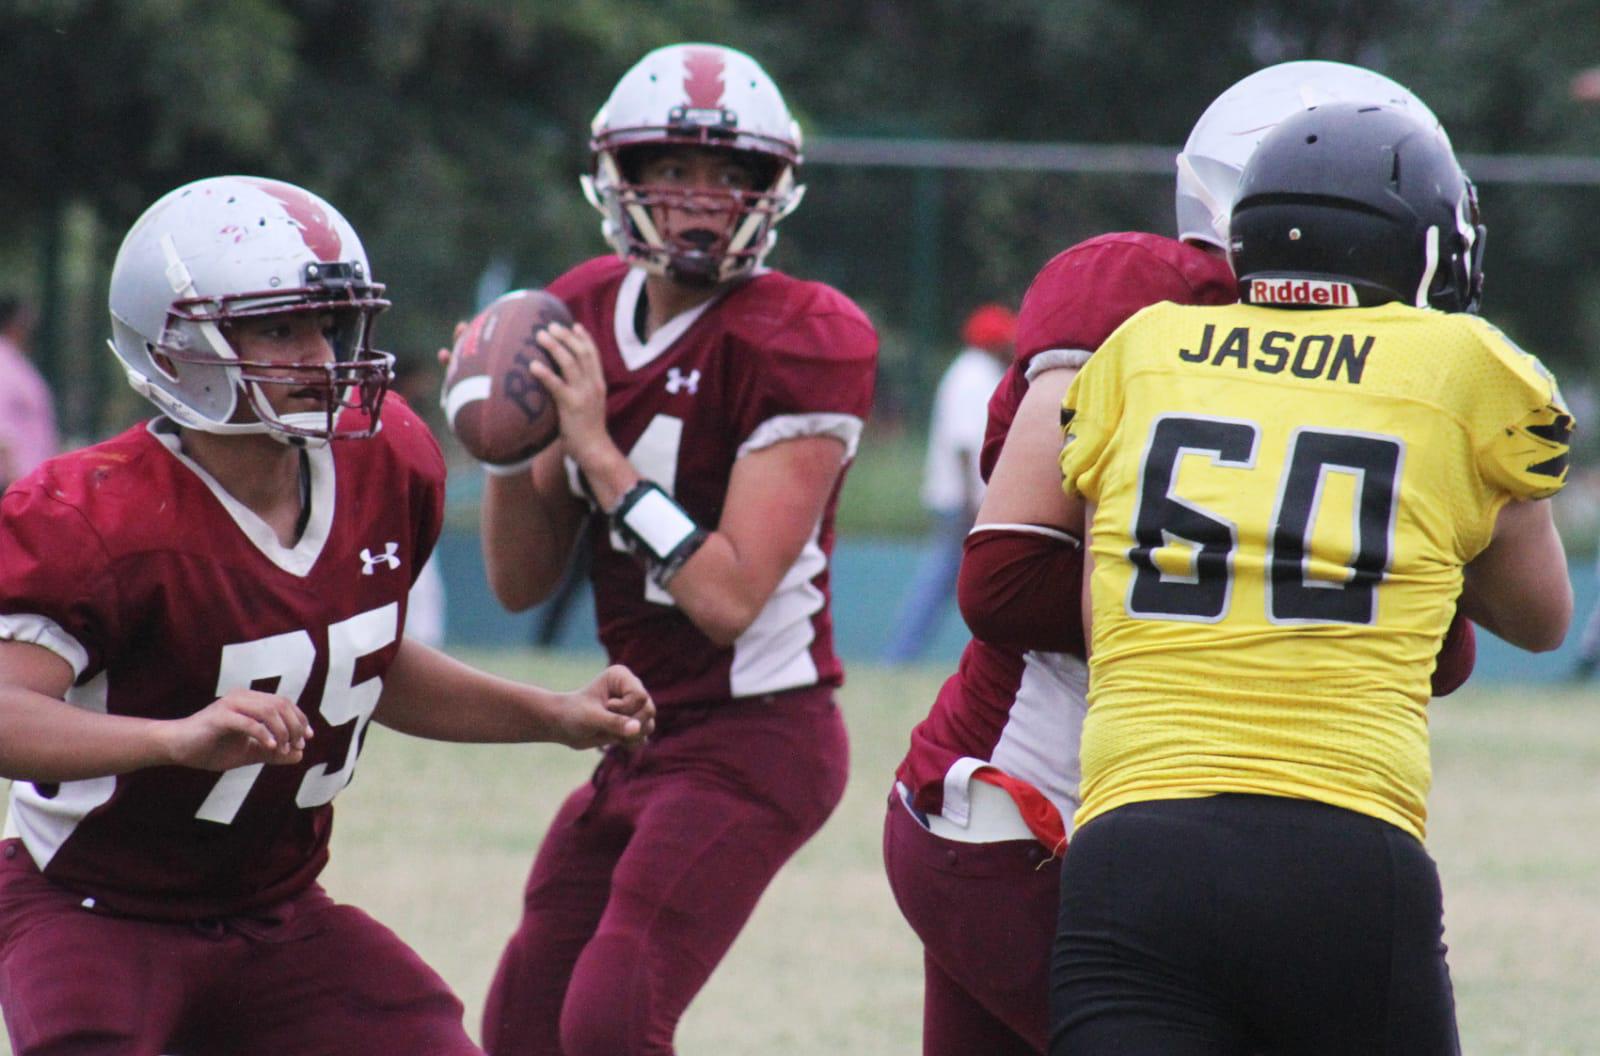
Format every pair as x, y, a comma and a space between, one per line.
702, 95
1227, 133
232, 247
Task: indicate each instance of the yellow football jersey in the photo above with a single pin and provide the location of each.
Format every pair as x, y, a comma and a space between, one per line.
1284, 502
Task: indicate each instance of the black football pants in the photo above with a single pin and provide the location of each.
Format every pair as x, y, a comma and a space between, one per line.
1248, 925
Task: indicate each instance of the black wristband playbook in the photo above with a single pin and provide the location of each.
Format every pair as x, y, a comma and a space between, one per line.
656, 530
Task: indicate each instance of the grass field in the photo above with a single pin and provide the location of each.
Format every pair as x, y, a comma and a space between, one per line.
435, 840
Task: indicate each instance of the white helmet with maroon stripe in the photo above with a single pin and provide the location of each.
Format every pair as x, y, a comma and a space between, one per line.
233, 247
1227, 133
701, 95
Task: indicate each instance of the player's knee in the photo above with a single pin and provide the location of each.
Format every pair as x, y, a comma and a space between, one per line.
585, 1033
614, 1005
618, 1030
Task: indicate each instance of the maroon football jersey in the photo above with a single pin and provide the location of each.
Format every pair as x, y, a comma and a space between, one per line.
767, 360
162, 592
1089, 290
1021, 712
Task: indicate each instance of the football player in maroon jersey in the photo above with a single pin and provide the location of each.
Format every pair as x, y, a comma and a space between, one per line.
982, 805
709, 407
198, 619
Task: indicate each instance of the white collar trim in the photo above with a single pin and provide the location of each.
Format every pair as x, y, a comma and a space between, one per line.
636, 353
297, 559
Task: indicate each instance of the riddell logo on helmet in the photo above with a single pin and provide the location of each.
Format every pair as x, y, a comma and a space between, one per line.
1302, 291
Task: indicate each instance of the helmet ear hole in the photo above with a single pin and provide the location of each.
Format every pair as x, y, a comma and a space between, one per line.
161, 362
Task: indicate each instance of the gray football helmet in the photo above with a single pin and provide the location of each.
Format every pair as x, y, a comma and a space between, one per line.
232, 247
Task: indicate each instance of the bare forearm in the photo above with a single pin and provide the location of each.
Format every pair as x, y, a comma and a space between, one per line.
1025, 487
527, 536
718, 592
609, 474
715, 589
1518, 587
428, 694
774, 506
44, 739
1538, 628
775, 501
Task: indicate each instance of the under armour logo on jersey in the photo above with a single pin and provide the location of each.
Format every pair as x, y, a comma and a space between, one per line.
370, 561
677, 382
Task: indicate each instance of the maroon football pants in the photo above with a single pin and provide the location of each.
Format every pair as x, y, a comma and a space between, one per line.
649, 872
986, 915
309, 976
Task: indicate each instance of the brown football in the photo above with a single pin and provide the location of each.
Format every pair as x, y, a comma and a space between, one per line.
494, 406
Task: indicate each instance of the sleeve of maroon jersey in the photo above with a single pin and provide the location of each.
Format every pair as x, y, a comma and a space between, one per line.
1019, 587
819, 365
1086, 292
417, 453
56, 587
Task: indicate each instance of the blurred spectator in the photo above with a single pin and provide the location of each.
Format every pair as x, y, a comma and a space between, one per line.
952, 488
27, 412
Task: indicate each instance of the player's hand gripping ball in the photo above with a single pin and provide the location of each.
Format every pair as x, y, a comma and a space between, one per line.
497, 410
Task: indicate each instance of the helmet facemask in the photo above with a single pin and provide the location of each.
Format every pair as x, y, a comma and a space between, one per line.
739, 229
694, 96
194, 342
1467, 263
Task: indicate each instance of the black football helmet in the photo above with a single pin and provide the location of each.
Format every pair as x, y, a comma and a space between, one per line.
1363, 195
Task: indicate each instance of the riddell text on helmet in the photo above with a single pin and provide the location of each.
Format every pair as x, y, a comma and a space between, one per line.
1303, 291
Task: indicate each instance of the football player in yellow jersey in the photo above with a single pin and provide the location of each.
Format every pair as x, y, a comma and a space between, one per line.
1285, 501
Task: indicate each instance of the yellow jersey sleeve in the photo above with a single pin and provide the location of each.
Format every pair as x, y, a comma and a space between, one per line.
1523, 426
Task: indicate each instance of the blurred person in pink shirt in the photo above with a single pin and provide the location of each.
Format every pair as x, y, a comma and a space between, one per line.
27, 412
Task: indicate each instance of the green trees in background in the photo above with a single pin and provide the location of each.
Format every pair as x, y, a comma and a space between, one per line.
451, 133
443, 128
